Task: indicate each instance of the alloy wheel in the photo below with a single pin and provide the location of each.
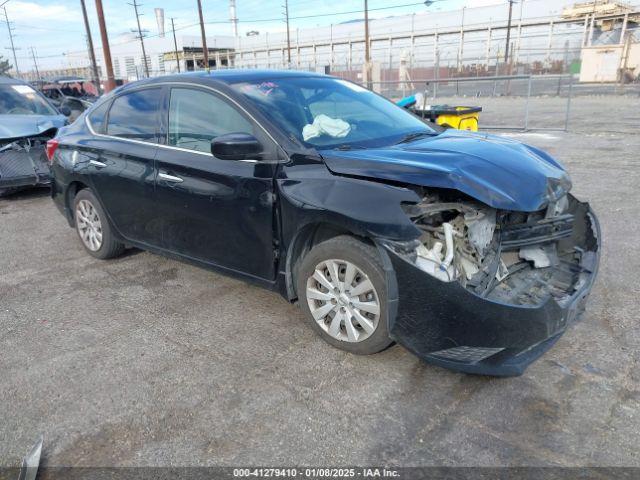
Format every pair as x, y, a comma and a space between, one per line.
89, 225
343, 300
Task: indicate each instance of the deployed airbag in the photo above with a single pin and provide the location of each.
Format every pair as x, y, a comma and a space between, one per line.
324, 125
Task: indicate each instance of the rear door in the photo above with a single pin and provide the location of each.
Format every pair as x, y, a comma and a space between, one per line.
123, 171
217, 211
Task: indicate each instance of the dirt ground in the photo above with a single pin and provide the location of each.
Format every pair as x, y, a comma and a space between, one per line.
147, 361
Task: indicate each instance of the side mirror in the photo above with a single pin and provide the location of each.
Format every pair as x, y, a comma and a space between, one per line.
66, 111
235, 146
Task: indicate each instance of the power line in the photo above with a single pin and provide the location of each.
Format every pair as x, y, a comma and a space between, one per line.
317, 15
279, 19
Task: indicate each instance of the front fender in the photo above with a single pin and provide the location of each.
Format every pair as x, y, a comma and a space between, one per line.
309, 196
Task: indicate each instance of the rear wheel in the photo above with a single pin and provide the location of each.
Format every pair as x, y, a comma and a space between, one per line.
341, 288
93, 227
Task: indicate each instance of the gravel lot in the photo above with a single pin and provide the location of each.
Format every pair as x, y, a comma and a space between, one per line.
147, 361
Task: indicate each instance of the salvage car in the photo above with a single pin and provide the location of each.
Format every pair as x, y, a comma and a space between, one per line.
76, 94
466, 248
27, 121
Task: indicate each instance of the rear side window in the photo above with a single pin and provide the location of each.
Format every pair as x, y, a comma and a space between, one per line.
196, 117
134, 115
97, 117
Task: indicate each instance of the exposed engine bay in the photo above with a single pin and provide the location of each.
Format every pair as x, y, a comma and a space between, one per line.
516, 258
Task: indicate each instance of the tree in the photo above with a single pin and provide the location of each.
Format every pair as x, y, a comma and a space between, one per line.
5, 66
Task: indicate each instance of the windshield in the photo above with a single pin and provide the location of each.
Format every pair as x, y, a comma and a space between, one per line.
23, 100
325, 112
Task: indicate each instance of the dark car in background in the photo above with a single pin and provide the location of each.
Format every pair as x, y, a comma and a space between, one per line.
466, 248
27, 121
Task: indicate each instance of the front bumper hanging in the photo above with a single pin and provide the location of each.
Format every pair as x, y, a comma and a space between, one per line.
453, 327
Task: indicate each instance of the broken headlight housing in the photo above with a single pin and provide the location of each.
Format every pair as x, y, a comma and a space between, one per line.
520, 258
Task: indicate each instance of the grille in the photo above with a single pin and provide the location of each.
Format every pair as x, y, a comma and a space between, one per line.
18, 163
467, 354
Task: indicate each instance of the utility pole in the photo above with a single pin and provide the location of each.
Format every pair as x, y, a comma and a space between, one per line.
460, 58
35, 63
110, 84
144, 53
92, 53
205, 50
175, 44
286, 15
13, 48
506, 48
367, 53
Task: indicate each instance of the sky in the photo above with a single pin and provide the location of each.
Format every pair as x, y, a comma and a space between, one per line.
53, 27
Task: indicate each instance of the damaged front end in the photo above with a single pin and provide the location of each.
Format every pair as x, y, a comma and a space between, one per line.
23, 161
488, 291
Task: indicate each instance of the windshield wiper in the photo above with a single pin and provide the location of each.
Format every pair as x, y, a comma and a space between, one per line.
346, 146
415, 135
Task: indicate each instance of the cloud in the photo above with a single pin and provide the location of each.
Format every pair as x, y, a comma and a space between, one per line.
36, 13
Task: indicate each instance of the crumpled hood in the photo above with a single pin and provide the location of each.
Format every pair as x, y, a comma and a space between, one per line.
497, 171
14, 126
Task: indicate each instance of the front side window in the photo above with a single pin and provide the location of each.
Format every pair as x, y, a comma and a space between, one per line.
134, 115
23, 100
196, 117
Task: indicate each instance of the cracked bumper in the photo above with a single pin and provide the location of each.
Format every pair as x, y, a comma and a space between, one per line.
447, 325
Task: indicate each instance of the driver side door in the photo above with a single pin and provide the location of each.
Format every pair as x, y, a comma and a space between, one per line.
219, 212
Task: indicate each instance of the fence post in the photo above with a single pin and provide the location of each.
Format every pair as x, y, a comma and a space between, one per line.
567, 113
526, 105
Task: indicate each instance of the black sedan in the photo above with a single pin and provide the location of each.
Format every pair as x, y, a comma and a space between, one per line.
468, 249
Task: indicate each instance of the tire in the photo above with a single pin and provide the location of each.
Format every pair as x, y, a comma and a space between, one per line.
343, 304
93, 227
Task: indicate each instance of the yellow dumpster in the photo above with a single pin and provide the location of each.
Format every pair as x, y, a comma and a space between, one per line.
459, 117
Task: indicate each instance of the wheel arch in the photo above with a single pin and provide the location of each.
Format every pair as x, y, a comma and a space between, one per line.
70, 193
305, 239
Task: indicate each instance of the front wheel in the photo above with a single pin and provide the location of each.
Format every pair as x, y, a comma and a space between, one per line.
93, 227
342, 290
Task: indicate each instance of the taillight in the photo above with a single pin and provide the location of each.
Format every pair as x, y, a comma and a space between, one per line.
52, 146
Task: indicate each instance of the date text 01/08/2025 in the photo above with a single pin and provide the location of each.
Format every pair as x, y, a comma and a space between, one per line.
316, 473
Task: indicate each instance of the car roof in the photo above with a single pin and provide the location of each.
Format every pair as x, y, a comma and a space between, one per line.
11, 81
223, 76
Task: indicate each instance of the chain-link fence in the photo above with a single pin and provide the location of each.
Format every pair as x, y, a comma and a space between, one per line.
509, 102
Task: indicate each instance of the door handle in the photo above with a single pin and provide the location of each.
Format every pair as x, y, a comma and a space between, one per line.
97, 164
169, 178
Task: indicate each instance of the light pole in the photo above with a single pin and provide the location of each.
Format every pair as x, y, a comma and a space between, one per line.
506, 47
13, 47
175, 44
92, 53
367, 52
286, 15
35, 63
205, 49
135, 6
111, 82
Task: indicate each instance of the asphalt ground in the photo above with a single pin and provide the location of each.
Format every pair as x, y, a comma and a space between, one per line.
148, 361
